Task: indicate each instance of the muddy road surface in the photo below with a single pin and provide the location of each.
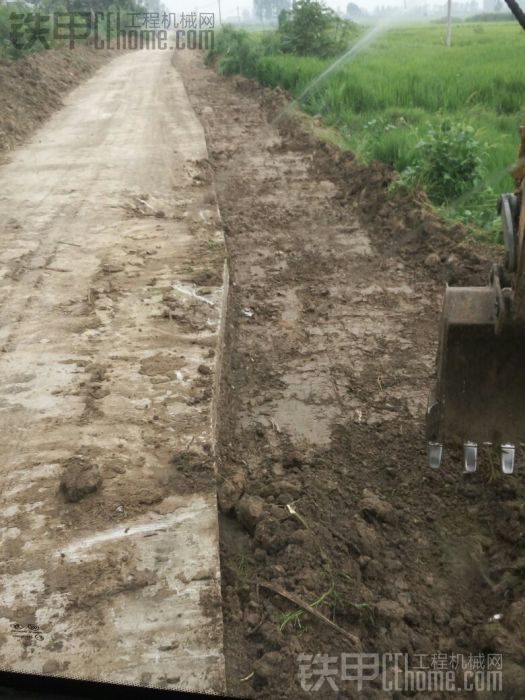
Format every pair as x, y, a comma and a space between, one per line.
111, 292
135, 398
325, 494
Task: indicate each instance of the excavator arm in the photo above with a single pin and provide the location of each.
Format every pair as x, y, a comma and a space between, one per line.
479, 393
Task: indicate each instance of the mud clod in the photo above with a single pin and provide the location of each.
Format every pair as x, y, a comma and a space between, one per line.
231, 490
249, 511
267, 666
79, 479
432, 261
372, 506
390, 610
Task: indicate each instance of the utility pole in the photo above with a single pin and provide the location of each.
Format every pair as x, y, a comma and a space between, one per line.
220, 18
448, 38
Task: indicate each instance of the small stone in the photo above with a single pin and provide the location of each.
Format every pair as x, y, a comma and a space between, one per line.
203, 369
79, 479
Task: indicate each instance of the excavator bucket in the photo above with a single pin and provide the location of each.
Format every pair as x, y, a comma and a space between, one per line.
479, 394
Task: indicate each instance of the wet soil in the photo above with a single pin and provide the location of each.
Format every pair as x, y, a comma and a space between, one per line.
325, 493
111, 264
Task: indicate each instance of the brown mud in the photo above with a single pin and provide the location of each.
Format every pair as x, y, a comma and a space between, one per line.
336, 289
111, 264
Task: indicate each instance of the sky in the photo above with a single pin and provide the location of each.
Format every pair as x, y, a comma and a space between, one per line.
229, 7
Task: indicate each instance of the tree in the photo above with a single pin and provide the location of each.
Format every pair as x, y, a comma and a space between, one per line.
353, 11
311, 28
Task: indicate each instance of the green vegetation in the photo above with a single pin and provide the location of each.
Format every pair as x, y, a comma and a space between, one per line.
33, 29
492, 17
448, 161
310, 28
294, 617
15, 34
7, 50
400, 93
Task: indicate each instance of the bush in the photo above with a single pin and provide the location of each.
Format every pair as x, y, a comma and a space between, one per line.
448, 162
312, 29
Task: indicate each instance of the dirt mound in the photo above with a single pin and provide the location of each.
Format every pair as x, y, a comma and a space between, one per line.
79, 479
32, 88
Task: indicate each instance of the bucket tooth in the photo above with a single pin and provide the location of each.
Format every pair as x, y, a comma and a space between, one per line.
435, 452
508, 453
470, 453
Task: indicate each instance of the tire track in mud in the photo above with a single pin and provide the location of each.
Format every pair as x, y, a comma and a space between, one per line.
325, 492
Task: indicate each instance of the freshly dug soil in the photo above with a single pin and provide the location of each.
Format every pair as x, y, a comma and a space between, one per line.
32, 88
336, 290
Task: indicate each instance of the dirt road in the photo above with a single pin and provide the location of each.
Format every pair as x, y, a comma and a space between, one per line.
112, 299
325, 491
111, 293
